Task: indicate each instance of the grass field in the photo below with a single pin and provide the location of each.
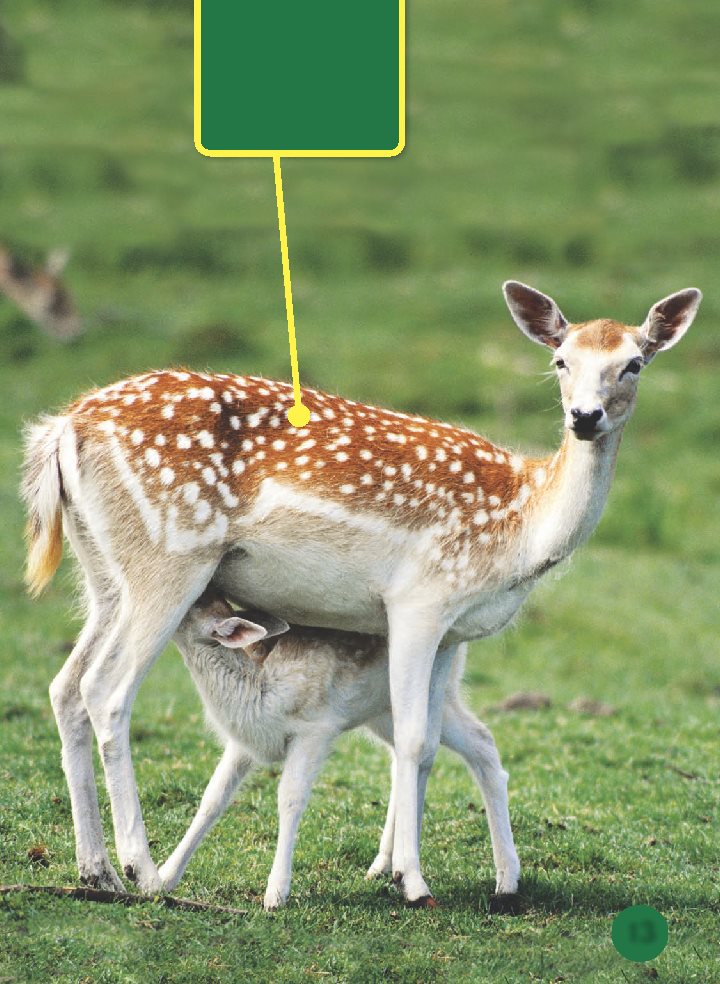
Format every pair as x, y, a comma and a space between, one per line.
571, 144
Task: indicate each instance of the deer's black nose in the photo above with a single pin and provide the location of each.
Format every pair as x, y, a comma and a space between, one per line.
584, 421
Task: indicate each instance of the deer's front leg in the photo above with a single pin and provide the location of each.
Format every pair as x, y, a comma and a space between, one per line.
229, 773
383, 728
414, 636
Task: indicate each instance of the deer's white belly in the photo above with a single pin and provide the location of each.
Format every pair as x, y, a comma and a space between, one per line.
314, 562
303, 586
490, 612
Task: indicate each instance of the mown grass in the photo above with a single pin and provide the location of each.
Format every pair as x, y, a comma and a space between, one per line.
569, 143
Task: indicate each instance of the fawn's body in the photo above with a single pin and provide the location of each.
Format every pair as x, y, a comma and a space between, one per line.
288, 701
365, 520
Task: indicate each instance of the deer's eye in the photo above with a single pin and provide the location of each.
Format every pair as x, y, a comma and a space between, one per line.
560, 364
634, 366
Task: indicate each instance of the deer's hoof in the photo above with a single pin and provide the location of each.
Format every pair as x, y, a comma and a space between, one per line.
507, 904
424, 902
105, 878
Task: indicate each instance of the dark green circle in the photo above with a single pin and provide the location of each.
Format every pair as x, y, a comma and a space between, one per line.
639, 933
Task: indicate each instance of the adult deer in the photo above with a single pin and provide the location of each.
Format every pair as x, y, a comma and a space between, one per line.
366, 520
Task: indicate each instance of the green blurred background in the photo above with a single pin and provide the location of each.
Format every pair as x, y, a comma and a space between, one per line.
571, 144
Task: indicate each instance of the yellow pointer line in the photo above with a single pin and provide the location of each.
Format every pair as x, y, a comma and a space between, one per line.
299, 414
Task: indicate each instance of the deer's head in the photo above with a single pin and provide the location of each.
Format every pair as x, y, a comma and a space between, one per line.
598, 362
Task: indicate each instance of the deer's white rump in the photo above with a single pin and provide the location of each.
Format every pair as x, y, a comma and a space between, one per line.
366, 520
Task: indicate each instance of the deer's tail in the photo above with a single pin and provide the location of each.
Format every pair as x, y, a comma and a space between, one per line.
42, 491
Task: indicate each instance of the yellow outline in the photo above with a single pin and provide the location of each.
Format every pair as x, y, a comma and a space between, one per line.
299, 414
297, 153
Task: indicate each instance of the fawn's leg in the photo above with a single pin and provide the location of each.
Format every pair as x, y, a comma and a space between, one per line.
436, 701
382, 865
304, 760
229, 773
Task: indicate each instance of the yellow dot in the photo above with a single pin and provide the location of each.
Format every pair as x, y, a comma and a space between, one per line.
298, 415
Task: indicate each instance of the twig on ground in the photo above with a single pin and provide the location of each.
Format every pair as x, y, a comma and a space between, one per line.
124, 898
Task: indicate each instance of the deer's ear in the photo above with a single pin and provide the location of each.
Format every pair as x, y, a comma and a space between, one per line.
235, 633
668, 320
535, 314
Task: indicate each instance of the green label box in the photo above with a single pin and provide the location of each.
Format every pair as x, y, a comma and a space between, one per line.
300, 78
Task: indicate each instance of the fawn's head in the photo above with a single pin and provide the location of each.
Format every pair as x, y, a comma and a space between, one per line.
211, 620
598, 362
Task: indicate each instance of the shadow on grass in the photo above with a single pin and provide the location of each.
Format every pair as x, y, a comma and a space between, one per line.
539, 894
599, 896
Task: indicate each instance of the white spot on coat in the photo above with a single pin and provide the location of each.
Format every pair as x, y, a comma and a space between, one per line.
190, 492
228, 498
202, 511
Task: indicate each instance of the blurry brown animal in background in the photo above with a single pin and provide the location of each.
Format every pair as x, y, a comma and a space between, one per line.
40, 293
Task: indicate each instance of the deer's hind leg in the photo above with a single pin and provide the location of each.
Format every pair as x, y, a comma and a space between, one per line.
74, 726
153, 599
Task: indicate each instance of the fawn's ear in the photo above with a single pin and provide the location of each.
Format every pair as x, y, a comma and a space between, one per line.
271, 623
668, 320
535, 314
235, 633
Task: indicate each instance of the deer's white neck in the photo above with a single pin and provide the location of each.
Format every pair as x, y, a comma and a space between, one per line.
567, 510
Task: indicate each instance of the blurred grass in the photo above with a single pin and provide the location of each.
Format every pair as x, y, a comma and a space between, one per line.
572, 144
